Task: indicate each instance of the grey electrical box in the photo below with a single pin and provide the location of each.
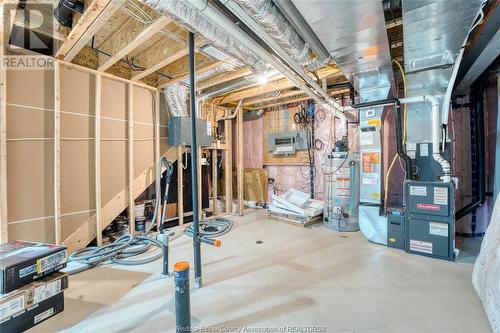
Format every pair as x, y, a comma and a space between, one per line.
396, 235
430, 218
179, 132
287, 143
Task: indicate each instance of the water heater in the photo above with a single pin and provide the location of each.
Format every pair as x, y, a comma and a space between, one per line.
341, 190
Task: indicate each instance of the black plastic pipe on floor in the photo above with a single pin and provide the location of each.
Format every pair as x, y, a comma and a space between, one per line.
194, 167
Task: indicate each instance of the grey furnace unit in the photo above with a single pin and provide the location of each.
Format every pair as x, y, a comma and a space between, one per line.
179, 132
430, 218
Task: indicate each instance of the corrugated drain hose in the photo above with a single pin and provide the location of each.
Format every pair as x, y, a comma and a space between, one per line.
127, 245
212, 228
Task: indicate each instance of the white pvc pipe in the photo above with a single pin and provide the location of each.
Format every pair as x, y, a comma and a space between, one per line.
436, 131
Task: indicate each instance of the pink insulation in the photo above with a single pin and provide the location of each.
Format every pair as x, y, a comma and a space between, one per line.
293, 176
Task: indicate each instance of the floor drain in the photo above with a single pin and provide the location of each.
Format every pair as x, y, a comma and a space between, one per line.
259, 242
344, 236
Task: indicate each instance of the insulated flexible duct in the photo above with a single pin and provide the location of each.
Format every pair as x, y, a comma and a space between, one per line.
278, 27
193, 19
176, 99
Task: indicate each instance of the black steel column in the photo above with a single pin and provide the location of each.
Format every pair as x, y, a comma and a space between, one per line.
194, 159
182, 298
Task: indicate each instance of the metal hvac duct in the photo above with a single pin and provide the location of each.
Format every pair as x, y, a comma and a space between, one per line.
355, 35
432, 45
194, 20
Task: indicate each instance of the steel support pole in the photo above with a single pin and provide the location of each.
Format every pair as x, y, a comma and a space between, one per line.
194, 161
182, 298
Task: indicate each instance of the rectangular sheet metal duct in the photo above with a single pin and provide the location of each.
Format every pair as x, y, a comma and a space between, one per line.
434, 31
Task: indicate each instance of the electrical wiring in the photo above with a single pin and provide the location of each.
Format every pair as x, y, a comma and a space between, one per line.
386, 194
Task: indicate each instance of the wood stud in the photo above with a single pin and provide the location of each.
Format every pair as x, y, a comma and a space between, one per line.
228, 164
131, 199
239, 160
3, 146
57, 154
180, 186
97, 157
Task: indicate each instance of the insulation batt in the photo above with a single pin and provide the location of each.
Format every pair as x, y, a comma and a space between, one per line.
486, 273
194, 20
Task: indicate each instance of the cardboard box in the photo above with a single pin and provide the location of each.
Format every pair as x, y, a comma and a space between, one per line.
34, 315
23, 262
26, 297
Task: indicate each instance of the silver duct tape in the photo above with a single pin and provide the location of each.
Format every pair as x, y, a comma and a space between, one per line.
176, 99
278, 27
194, 20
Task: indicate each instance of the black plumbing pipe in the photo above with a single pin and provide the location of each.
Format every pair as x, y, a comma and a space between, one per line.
399, 140
479, 195
194, 159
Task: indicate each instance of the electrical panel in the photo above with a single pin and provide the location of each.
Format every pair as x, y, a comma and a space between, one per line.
287, 143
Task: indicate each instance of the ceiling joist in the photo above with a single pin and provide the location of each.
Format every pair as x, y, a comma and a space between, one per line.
128, 39
94, 17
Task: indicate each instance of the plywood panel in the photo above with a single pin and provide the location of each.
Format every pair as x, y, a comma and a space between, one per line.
113, 129
77, 178
142, 131
143, 105
143, 158
31, 88
70, 223
75, 126
114, 100
77, 91
38, 231
29, 123
113, 168
30, 179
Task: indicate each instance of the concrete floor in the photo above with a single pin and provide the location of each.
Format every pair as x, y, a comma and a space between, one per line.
314, 278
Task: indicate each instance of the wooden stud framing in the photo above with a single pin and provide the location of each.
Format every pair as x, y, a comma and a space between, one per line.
239, 160
214, 182
97, 157
159, 56
3, 147
157, 143
280, 84
94, 17
228, 164
131, 201
122, 44
199, 69
222, 77
180, 186
57, 154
